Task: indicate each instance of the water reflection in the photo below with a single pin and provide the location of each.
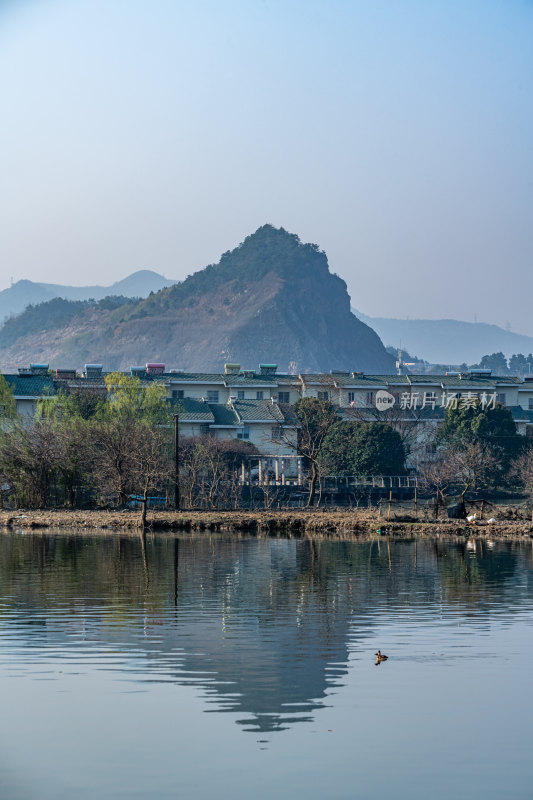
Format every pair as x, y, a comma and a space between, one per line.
262, 628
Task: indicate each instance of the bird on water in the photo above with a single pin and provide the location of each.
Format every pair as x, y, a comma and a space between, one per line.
380, 657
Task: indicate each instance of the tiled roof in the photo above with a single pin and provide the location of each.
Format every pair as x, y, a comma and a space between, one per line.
370, 414
31, 385
223, 414
467, 382
340, 381
191, 410
189, 377
239, 380
521, 414
255, 410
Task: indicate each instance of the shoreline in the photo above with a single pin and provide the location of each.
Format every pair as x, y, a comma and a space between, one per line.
328, 524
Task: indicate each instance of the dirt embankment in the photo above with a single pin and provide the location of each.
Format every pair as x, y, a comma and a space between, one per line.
331, 524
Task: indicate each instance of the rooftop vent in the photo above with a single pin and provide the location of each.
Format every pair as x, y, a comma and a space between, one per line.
231, 369
480, 373
155, 368
39, 369
268, 369
34, 369
93, 370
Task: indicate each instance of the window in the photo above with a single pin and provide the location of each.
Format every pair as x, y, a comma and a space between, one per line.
369, 398
178, 394
277, 433
323, 395
351, 397
240, 395
259, 395
500, 398
204, 429
284, 397
243, 433
530, 404
212, 396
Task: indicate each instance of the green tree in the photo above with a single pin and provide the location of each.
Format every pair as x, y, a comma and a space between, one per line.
520, 365
8, 404
494, 428
495, 362
130, 397
362, 448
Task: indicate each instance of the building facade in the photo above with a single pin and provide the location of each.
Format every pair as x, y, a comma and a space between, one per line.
256, 405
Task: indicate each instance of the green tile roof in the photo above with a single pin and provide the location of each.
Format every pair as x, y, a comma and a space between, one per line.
257, 380
255, 410
467, 382
190, 377
32, 385
191, 410
371, 414
223, 414
521, 414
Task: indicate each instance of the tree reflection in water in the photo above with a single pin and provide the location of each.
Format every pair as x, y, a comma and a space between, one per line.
263, 627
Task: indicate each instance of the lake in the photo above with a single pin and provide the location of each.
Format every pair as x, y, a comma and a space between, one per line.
212, 666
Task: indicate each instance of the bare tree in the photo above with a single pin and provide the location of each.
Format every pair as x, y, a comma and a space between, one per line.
29, 460
474, 466
150, 463
314, 420
437, 477
522, 469
114, 442
209, 470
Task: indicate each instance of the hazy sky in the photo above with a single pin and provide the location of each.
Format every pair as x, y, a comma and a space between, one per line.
159, 133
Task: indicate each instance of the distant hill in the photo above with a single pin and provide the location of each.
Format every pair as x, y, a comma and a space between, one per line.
447, 341
24, 293
272, 299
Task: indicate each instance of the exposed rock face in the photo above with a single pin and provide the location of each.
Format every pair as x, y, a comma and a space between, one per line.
272, 299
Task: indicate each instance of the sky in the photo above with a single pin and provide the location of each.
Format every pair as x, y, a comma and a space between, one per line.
395, 134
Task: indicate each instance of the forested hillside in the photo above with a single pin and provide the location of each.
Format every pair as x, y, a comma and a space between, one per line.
270, 299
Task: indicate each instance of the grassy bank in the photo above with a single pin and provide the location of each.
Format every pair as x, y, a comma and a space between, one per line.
334, 524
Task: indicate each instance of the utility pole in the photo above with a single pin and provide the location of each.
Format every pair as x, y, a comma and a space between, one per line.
176, 462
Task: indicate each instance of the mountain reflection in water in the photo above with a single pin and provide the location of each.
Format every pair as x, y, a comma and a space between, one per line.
263, 628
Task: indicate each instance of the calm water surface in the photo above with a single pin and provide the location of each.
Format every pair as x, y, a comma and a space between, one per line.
211, 667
